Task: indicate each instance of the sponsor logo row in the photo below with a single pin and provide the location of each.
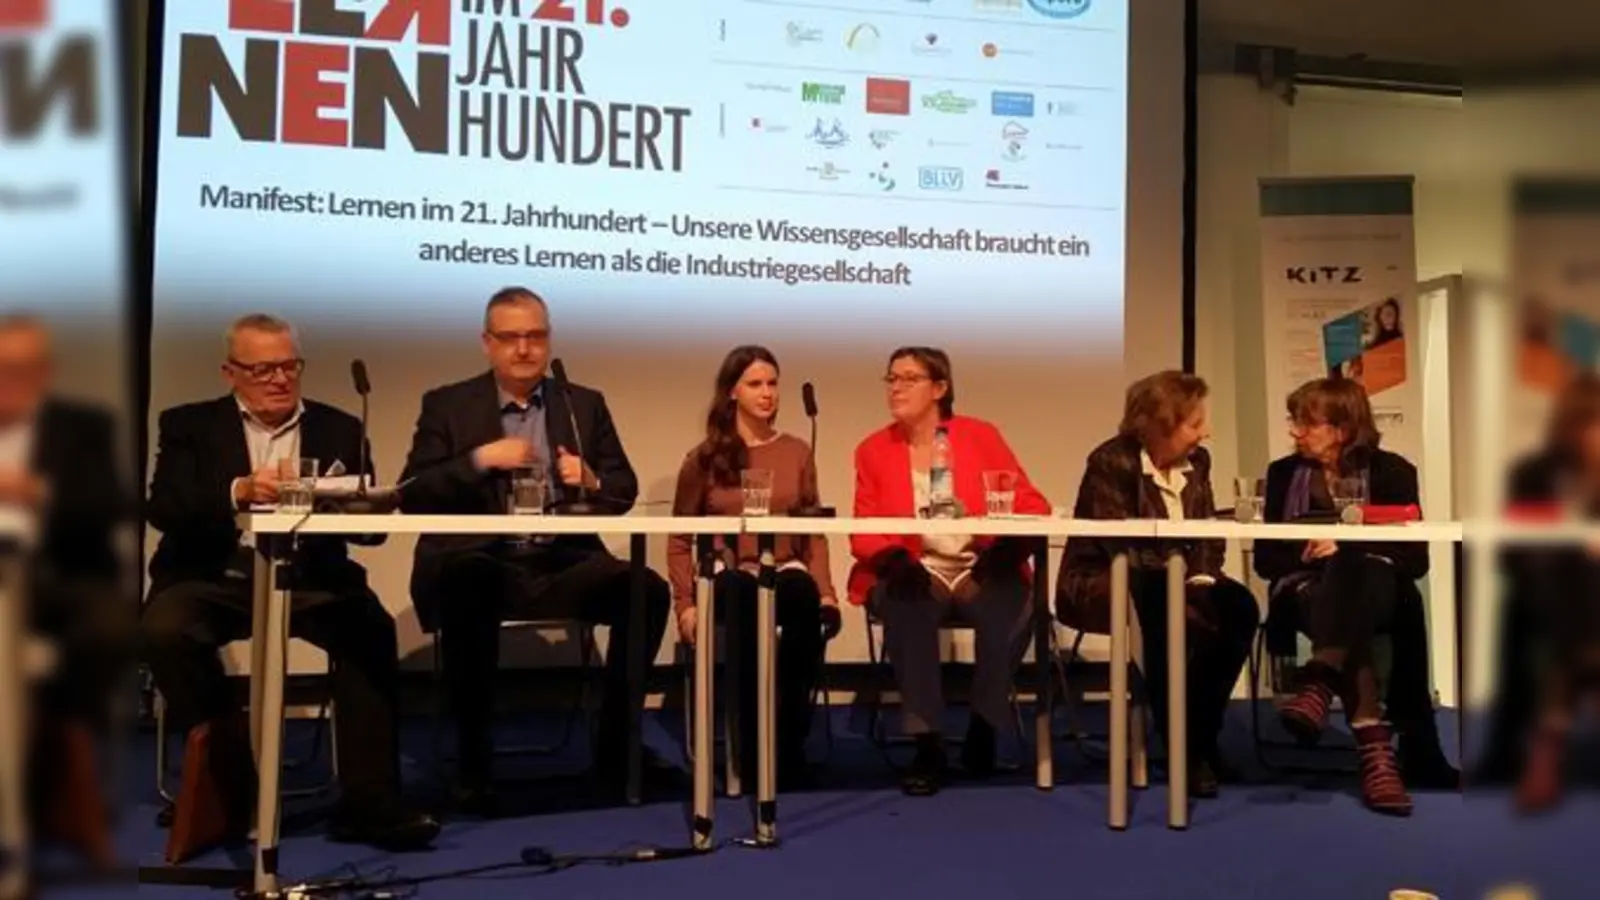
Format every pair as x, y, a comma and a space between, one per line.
892, 97
832, 134
885, 178
865, 40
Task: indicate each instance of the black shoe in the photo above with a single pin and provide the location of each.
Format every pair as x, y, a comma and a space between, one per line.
978, 749
388, 827
1424, 767
925, 776
795, 774
1225, 772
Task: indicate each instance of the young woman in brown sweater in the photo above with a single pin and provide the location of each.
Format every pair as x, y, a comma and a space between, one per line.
741, 436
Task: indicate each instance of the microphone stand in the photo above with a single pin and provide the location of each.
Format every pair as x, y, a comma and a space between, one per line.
361, 504
581, 506
813, 511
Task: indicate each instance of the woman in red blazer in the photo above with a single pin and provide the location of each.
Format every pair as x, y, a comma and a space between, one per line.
914, 585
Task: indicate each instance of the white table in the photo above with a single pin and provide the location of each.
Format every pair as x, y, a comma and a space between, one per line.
275, 532
1040, 529
271, 613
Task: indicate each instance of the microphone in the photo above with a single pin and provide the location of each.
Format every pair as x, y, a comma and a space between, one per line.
362, 501
808, 398
580, 506
358, 375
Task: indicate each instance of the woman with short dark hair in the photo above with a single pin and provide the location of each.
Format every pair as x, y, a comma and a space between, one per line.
1343, 596
1155, 468
915, 585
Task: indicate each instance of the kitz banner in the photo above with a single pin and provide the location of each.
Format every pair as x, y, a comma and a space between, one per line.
1339, 280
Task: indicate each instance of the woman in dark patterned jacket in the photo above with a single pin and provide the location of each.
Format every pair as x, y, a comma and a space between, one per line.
1156, 468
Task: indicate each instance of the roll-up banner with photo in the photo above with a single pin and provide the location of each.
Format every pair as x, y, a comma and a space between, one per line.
1339, 279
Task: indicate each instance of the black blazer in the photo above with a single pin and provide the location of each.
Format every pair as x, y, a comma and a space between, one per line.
439, 477
75, 452
201, 448
1391, 481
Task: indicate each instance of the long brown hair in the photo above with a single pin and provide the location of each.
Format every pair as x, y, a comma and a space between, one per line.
1343, 404
723, 454
1577, 409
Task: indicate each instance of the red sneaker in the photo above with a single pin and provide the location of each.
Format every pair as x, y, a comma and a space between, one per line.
1305, 715
1383, 790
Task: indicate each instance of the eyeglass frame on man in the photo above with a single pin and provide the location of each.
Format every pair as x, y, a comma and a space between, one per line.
262, 372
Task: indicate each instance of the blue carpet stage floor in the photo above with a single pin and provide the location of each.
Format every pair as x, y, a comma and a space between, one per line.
1275, 837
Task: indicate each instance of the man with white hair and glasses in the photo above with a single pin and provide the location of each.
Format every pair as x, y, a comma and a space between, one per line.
215, 458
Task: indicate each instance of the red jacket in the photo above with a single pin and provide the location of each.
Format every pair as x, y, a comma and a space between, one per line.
883, 489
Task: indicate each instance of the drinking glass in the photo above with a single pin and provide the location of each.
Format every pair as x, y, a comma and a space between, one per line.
757, 487
1349, 496
1249, 499
999, 494
297, 481
528, 486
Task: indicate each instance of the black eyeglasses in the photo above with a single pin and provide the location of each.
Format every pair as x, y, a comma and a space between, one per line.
262, 372
539, 336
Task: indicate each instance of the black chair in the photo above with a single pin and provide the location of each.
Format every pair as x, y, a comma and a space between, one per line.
580, 709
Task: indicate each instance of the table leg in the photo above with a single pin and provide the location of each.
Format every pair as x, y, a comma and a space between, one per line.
733, 680
14, 712
766, 687
261, 589
1118, 814
705, 707
272, 634
1177, 695
637, 550
1043, 622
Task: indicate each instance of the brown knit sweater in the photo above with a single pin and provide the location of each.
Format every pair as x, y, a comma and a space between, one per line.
794, 484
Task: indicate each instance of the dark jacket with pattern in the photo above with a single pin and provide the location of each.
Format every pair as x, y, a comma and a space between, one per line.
1115, 486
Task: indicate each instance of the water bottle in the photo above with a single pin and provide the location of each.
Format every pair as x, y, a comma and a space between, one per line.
941, 480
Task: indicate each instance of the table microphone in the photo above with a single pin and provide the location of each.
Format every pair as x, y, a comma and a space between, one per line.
363, 501
808, 397
581, 506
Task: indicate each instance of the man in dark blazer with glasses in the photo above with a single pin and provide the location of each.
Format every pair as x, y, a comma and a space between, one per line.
470, 437
215, 459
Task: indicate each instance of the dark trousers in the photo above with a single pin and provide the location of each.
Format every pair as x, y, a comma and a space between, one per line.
483, 588
799, 662
1350, 601
185, 624
1222, 622
93, 627
914, 606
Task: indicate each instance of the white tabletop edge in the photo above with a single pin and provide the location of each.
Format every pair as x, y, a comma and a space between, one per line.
271, 522
339, 523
